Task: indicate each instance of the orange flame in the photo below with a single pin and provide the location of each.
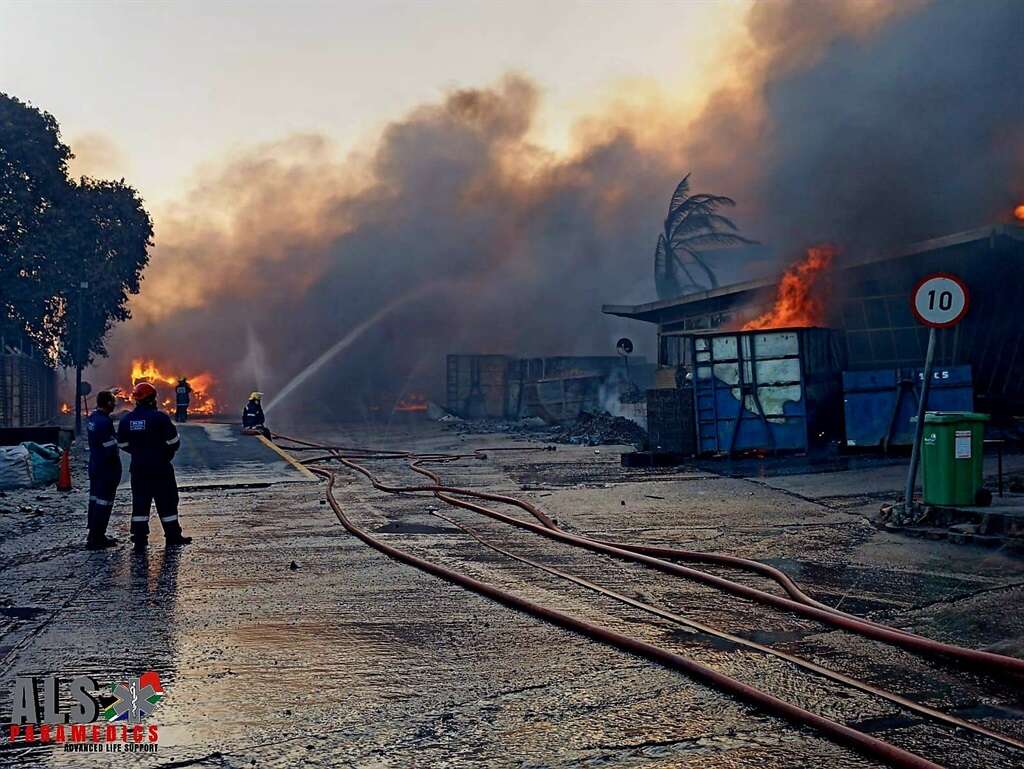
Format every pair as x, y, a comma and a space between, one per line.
1018, 212
202, 401
797, 302
414, 402
65, 408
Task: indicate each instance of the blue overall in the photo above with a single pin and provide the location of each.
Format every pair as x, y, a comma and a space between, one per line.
182, 396
104, 472
151, 439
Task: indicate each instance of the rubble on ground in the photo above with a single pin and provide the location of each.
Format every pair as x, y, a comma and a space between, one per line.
588, 429
529, 427
600, 429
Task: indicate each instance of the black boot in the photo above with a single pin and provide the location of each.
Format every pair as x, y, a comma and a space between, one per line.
178, 539
99, 542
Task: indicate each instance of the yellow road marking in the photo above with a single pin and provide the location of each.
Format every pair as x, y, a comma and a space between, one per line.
289, 459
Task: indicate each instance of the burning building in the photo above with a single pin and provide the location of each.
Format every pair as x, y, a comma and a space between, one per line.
866, 300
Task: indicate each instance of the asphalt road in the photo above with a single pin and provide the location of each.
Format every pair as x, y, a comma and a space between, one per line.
282, 641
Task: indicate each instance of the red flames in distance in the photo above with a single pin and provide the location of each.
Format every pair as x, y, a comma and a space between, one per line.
202, 401
1018, 213
798, 301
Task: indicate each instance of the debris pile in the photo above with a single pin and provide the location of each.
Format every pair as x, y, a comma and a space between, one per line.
587, 429
529, 427
600, 429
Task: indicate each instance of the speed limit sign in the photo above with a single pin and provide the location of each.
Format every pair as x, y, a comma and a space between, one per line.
940, 300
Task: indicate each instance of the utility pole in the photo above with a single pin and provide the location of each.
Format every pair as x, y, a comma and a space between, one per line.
82, 287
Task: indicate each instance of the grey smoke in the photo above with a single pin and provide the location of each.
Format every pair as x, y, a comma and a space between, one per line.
863, 138
915, 132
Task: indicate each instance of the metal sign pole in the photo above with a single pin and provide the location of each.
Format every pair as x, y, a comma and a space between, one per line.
78, 360
915, 452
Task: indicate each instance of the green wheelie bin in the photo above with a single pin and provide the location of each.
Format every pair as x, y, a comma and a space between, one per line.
951, 457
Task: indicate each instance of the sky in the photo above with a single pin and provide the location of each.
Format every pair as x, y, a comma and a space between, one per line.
154, 91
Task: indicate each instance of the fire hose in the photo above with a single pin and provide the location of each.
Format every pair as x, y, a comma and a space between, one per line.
844, 735
989, 661
444, 458
693, 556
896, 699
722, 559
799, 603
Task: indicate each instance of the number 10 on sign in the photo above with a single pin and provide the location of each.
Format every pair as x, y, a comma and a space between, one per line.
939, 300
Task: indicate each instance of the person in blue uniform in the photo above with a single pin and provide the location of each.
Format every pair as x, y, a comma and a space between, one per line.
104, 471
252, 415
151, 439
182, 397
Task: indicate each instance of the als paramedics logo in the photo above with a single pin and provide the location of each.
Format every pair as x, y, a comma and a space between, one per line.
124, 711
135, 699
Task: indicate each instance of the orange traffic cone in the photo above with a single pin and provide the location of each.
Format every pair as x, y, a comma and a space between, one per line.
64, 479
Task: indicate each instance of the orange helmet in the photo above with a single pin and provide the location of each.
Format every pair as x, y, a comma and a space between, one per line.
143, 390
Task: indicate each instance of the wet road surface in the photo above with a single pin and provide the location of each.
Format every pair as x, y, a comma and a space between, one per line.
282, 641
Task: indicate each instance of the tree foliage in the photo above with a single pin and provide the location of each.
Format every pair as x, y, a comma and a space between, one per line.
33, 173
692, 226
56, 234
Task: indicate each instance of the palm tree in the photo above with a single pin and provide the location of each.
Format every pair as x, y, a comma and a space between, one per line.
692, 226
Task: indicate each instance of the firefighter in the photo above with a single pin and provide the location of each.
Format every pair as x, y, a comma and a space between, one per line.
182, 397
151, 439
104, 471
252, 415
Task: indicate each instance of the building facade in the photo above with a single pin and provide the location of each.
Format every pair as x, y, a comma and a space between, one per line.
868, 300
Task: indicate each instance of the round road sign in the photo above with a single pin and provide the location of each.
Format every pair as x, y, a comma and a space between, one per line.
624, 346
86, 387
940, 300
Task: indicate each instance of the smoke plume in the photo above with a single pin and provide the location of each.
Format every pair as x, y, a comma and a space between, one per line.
859, 123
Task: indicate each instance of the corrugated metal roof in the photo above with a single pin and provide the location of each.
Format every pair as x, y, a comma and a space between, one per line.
649, 312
